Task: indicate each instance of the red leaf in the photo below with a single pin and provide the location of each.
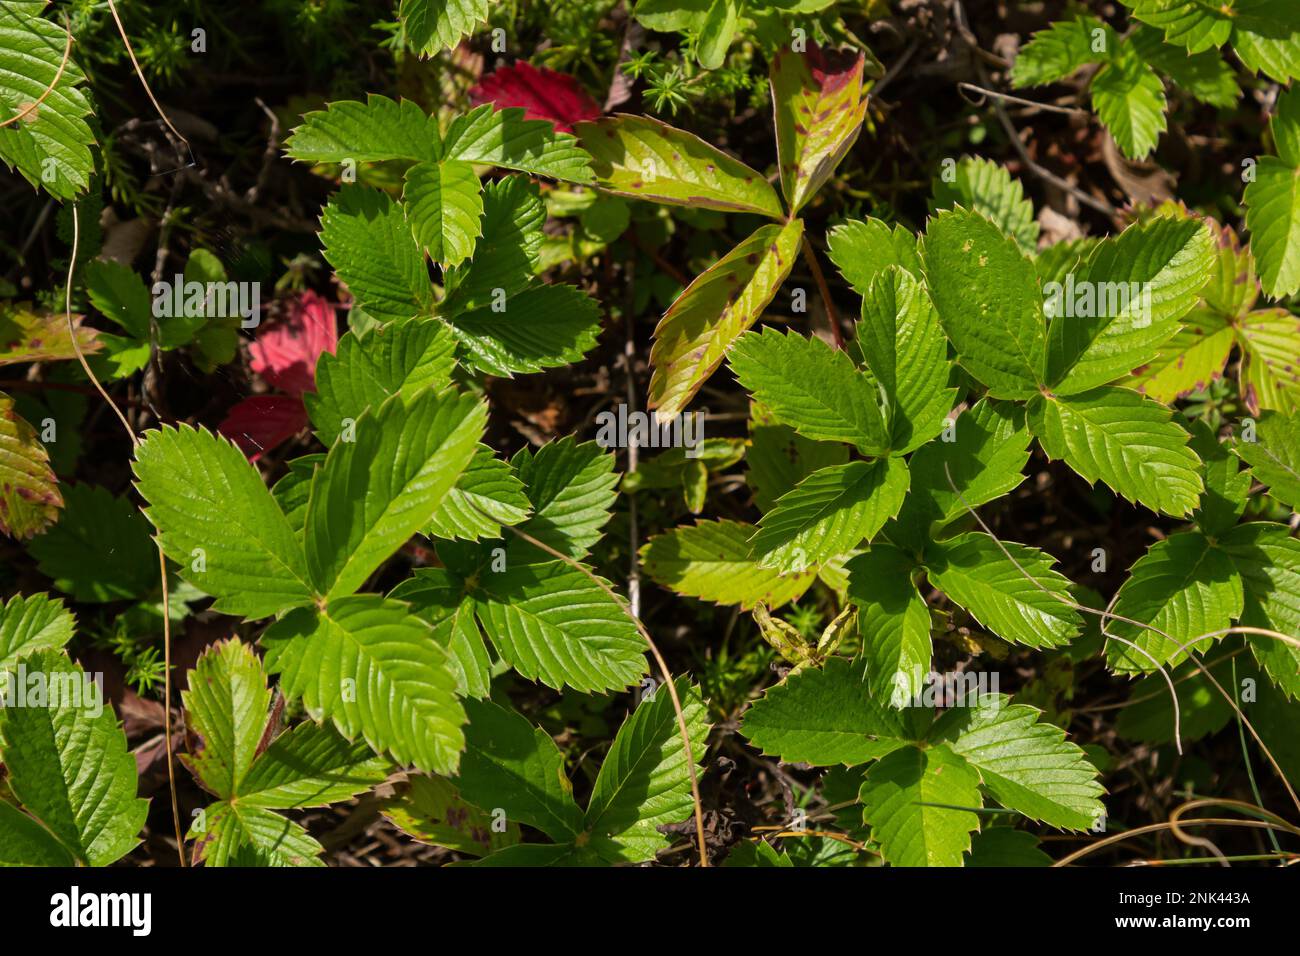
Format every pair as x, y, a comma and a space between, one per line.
544, 94
260, 422
832, 70
285, 353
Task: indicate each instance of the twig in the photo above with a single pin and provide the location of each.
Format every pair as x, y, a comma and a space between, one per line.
1156, 827
58, 75
1101, 206
1183, 646
162, 561
633, 451
268, 155
824, 291
126, 41
1048, 107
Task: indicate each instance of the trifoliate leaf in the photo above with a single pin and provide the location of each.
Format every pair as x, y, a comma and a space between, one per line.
643, 158
987, 296
819, 103
1274, 455
444, 205
712, 561
644, 782
572, 487
862, 250
487, 496
368, 241
49, 143
829, 513
100, 550
824, 716
1127, 304
68, 763
513, 765
31, 624
220, 523
376, 671
811, 387
1184, 587
708, 318
1021, 599
402, 357
987, 188
903, 345
1026, 763
920, 806
374, 493
893, 620
1131, 443
553, 624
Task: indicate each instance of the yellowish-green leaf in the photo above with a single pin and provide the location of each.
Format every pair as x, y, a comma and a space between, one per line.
695, 334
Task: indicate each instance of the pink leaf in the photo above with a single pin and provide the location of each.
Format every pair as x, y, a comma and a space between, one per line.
285, 354
544, 94
260, 422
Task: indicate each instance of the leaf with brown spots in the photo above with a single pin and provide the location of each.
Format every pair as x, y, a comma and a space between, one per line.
724, 301
1270, 371
27, 335
29, 493
820, 101
643, 158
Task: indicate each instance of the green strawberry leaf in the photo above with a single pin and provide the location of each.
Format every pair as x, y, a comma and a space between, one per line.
824, 716
811, 387
219, 522
987, 296
712, 561
1131, 443
69, 766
